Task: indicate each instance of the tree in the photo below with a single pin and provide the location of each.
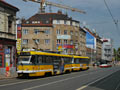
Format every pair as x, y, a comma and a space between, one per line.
118, 54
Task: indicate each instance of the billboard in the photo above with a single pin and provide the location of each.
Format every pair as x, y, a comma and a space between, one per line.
90, 41
18, 26
19, 44
63, 37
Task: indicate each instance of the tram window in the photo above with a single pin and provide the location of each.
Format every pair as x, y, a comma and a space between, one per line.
44, 59
77, 60
39, 59
84, 60
33, 59
48, 59
81, 61
66, 60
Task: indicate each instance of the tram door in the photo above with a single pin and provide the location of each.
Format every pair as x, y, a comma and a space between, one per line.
56, 64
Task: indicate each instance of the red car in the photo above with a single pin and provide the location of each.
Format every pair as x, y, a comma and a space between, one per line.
105, 65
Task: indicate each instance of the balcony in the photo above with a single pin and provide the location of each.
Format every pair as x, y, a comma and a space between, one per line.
7, 35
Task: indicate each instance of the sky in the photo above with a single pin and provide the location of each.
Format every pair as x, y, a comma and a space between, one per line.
96, 18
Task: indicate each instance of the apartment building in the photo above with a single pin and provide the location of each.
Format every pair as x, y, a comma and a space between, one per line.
99, 44
107, 50
7, 37
93, 45
52, 32
82, 42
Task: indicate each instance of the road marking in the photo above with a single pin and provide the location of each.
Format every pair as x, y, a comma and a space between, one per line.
58, 81
117, 86
47, 78
53, 82
81, 88
34, 80
38, 79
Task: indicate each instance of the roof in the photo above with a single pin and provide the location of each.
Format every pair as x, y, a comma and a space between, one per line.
80, 57
82, 29
89, 32
47, 18
5, 4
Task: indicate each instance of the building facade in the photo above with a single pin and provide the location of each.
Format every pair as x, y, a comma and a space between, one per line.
7, 38
107, 50
90, 44
82, 42
52, 32
99, 44
93, 45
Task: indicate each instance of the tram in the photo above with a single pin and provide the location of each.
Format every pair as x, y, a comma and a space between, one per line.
80, 63
36, 63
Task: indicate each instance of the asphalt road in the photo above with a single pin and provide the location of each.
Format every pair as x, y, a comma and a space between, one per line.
92, 79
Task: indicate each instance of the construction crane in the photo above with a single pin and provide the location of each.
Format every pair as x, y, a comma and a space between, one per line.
43, 4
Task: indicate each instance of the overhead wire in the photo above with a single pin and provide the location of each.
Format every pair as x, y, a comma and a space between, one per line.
115, 21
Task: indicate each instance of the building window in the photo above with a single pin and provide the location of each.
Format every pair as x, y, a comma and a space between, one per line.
58, 41
47, 31
71, 42
58, 32
71, 51
37, 41
36, 31
25, 41
38, 21
65, 32
10, 21
27, 22
65, 22
0, 60
65, 41
71, 32
76, 33
9, 26
58, 21
25, 31
47, 41
66, 51
35, 22
47, 21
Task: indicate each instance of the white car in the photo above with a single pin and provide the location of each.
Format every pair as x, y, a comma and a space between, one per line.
105, 65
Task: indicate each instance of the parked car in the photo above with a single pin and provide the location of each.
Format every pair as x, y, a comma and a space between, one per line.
105, 65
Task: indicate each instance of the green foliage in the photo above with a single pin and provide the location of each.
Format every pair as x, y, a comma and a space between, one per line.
117, 54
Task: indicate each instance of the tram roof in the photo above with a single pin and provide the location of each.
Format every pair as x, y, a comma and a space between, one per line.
46, 53
80, 57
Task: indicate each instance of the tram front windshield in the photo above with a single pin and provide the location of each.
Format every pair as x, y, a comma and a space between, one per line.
24, 59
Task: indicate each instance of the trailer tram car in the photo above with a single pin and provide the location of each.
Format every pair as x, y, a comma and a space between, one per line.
35, 63
80, 63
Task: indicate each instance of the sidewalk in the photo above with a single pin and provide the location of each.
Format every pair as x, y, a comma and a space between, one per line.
8, 76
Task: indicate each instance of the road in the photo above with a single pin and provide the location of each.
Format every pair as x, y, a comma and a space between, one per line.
92, 79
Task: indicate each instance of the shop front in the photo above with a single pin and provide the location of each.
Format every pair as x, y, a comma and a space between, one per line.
7, 57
